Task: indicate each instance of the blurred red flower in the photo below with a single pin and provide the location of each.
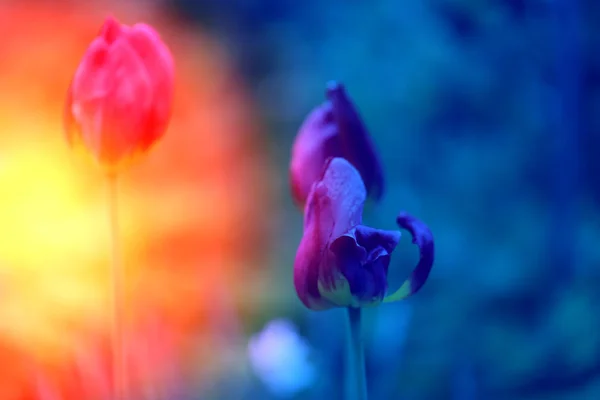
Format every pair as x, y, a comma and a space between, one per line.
119, 101
192, 225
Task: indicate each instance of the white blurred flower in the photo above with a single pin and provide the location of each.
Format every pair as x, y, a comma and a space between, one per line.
280, 358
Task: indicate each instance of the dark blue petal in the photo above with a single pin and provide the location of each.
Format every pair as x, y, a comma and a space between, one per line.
423, 238
363, 257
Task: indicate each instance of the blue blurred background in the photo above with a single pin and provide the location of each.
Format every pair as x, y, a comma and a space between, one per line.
485, 113
486, 116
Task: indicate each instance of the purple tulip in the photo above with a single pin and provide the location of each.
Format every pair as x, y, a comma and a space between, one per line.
342, 263
334, 129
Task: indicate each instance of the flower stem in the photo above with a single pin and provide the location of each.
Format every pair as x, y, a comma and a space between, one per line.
356, 379
116, 295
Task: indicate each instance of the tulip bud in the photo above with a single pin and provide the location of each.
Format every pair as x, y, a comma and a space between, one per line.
120, 98
334, 129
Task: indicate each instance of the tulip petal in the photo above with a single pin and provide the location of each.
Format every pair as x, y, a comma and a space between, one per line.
333, 129
356, 144
127, 104
317, 140
89, 82
363, 256
154, 53
423, 238
159, 65
346, 195
334, 207
111, 30
111, 114
90, 77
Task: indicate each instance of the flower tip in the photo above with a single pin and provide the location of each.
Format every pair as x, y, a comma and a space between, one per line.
110, 29
111, 21
334, 88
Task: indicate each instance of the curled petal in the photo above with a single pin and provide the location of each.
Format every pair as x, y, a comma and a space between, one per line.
356, 143
423, 238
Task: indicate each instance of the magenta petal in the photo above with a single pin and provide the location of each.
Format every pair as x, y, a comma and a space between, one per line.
338, 197
334, 207
317, 141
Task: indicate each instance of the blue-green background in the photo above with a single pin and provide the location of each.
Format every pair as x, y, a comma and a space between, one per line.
486, 114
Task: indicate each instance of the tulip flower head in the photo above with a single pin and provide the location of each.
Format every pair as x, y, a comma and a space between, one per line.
119, 101
342, 263
334, 129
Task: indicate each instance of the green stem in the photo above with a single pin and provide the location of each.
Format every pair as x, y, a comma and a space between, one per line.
116, 295
356, 379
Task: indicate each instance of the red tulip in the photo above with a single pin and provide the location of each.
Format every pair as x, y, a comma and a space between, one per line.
119, 101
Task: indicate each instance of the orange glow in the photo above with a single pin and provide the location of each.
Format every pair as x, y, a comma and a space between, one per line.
183, 209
